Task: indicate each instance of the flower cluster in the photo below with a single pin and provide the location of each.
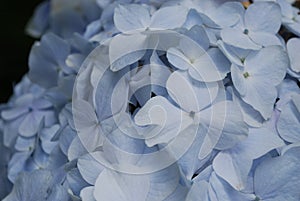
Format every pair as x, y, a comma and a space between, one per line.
133, 100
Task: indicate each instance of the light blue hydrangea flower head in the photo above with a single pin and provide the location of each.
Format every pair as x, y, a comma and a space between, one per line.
134, 100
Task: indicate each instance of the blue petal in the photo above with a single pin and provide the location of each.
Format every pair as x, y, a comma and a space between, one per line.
164, 18
76, 149
285, 184
178, 59
163, 183
233, 168
59, 193
87, 125
131, 17
46, 135
14, 112
196, 95
66, 138
251, 81
45, 58
251, 116
198, 34
222, 17
234, 54
220, 120
288, 124
198, 191
75, 181
89, 168
293, 48
25, 144
23, 190
87, 193
224, 191
265, 39
115, 186
125, 50
236, 37
39, 22
29, 126
168, 120
263, 16
16, 165
10, 131
210, 67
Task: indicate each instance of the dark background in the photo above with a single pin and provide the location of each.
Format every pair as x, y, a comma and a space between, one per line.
15, 44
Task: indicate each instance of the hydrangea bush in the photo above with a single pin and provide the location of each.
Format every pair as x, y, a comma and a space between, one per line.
157, 100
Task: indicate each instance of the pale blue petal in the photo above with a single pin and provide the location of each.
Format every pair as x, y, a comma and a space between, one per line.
115, 186
288, 124
168, 120
87, 194
16, 165
193, 18
40, 158
46, 58
92, 29
66, 138
236, 37
40, 104
103, 95
293, 48
46, 135
40, 181
222, 17
75, 181
159, 75
198, 192
196, 95
264, 17
131, 17
265, 39
233, 167
29, 126
283, 186
125, 50
251, 81
251, 116
259, 142
235, 55
198, 34
178, 59
87, 125
234, 128
261, 96
165, 18
163, 183
224, 191
76, 149
220, 120
89, 168
25, 144
221, 62
57, 159
179, 194
294, 27
210, 67
190, 163
10, 131
39, 22
14, 112
285, 91
58, 193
